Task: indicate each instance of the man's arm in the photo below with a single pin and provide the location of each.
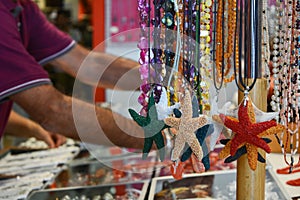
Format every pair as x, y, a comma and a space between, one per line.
89, 67
23, 127
77, 119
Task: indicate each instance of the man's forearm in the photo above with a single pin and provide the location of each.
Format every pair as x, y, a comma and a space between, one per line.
100, 69
77, 119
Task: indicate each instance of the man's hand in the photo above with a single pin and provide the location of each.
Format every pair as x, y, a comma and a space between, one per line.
23, 127
53, 140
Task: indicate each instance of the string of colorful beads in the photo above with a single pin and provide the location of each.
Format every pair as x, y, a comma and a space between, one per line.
143, 45
205, 54
219, 39
293, 111
276, 54
156, 61
286, 78
265, 41
168, 20
231, 24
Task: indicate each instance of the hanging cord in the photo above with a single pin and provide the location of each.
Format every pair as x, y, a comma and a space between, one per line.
241, 81
197, 56
197, 86
214, 47
178, 44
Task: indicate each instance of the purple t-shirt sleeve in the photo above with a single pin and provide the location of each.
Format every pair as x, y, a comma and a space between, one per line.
22, 54
45, 41
18, 69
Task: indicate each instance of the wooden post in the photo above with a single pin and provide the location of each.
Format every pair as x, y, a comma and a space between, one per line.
251, 184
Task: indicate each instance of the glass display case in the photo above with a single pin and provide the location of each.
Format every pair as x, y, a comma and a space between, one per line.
210, 185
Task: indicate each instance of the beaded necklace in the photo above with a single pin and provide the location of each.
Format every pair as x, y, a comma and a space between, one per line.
168, 21
231, 24
143, 45
206, 63
156, 61
152, 69
205, 35
247, 38
275, 61
218, 49
265, 41
226, 17
219, 37
288, 73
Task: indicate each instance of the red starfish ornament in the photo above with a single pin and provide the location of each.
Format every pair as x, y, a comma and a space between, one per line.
248, 132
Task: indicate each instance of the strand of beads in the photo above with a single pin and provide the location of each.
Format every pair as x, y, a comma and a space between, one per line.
168, 21
289, 111
265, 41
284, 77
231, 24
188, 67
226, 17
285, 72
276, 54
205, 36
205, 54
156, 61
293, 114
219, 39
297, 71
143, 45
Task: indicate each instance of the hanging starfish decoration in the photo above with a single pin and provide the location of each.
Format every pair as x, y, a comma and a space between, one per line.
241, 151
186, 126
163, 110
152, 127
201, 134
247, 132
260, 115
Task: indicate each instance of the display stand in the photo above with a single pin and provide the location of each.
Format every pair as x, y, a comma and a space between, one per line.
251, 184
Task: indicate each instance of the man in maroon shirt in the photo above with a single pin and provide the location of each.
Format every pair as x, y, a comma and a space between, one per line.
28, 40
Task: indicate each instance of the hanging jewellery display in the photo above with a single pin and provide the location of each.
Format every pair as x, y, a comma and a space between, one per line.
286, 77
225, 17
189, 62
247, 132
265, 41
143, 45
151, 75
181, 42
286, 81
224, 34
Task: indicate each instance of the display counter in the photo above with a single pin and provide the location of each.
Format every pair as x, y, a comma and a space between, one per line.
71, 172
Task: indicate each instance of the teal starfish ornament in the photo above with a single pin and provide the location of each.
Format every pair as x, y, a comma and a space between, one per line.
152, 127
186, 126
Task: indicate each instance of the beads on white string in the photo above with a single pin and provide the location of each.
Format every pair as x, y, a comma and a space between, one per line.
275, 64
265, 39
